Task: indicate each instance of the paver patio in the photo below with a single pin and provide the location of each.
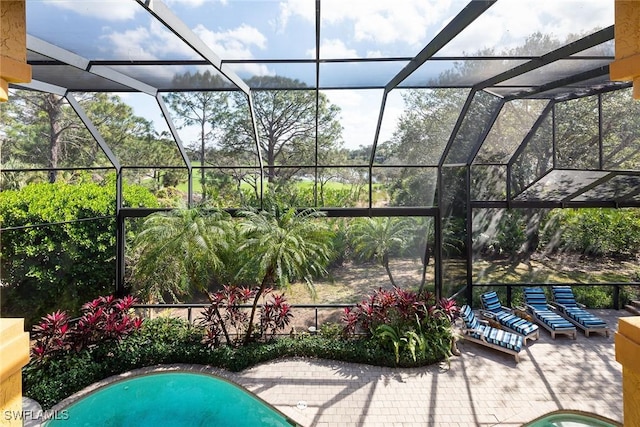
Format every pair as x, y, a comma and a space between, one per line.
482, 387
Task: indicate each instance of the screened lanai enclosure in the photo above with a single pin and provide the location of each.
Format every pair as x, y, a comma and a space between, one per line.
484, 122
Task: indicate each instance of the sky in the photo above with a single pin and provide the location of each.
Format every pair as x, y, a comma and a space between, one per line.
272, 29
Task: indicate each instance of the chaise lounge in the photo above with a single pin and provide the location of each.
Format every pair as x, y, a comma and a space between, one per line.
506, 318
567, 306
480, 332
536, 305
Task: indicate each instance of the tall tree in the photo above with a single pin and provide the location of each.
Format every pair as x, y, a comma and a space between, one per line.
205, 110
381, 238
283, 245
36, 118
42, 130
286, 122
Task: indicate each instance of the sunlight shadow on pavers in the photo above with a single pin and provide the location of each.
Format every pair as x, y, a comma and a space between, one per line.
469, 392
542, 376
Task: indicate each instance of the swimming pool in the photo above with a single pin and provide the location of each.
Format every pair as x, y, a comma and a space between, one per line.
171, 398
572, 419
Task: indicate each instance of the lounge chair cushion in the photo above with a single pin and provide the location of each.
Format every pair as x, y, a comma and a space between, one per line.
491, 302
492, 335
585, 318
470, 319
563, 296
536, 299
522, 326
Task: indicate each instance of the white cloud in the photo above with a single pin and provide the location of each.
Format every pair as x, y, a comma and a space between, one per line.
407, 21
379, 21
108, 10
359, 115
194, 3
148, 43
333, 48
234, 43
251, 70
374, 54
156, 42
303, 8
505, 26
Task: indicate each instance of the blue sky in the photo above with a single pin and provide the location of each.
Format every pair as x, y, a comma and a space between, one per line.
271, 29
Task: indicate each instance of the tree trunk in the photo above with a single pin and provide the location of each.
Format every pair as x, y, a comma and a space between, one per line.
202, 177
54, 112
222, 325
425, 263
271, 162
385, 263
267, 280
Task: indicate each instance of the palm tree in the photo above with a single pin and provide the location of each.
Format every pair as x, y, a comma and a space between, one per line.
381, 238
283, 245
177, 252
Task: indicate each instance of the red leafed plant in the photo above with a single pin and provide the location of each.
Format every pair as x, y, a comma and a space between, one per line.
104, 318
385, 306
226, 319
448, 308
395, 306
51, 335
275, 315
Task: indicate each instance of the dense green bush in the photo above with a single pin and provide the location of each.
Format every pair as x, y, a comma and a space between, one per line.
166, 341
59, 248
597, 232
506, 234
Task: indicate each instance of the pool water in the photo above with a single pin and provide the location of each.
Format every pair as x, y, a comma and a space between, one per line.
569, 419
171, 399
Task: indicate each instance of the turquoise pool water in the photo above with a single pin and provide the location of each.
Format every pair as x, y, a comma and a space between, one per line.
569, 419
171, 399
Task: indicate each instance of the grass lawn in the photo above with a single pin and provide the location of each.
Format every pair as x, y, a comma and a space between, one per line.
555, 270
379, 194
352, 282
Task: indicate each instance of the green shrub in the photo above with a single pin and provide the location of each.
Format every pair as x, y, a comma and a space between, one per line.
63, 256
595, 231
167, 341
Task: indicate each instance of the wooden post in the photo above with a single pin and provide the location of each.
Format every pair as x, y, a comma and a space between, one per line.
13, 46
628, 355
626, 66
14, 354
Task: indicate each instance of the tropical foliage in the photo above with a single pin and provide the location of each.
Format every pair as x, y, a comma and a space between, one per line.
105, 319
177, 253
284, 244
226, 319
58, 244
404, 322
109, 340
381, 238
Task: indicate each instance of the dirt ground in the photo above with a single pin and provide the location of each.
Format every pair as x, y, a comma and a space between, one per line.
352, 282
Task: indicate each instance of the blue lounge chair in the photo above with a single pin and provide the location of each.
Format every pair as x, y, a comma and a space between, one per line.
480, 332
536, 305
506, 318
567, 306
